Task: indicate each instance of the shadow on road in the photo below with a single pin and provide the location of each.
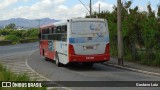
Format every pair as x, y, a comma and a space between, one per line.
95, 67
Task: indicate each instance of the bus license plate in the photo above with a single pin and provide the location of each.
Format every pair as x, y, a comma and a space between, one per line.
89, 47
90, 58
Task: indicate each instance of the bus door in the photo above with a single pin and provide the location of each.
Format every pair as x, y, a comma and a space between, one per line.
61, 43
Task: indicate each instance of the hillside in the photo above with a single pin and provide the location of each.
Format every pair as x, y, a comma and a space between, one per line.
27, 23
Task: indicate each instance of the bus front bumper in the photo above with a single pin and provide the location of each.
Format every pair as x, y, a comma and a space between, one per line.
89, 58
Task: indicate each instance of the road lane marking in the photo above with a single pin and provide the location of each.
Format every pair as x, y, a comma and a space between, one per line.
48, 88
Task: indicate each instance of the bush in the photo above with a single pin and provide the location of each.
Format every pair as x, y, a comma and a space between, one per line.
28, 40
13, 38
7, 75
4, 32
140, 32
5, 42
32, 33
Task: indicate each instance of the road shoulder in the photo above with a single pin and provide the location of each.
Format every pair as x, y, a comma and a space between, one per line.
151, 70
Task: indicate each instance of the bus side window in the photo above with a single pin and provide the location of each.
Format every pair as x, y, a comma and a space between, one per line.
63, 37
64, 29
53, 30
47, 31
39, 36
58, 35
64, 33
58, 29
49, 37
50, 30
43, 31
45, 37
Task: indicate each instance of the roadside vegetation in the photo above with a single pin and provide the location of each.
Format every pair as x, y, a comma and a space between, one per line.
6, 75
141, 33
9, 33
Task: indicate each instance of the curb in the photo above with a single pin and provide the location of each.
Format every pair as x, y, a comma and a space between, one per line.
48, 88
26, 62
133, 69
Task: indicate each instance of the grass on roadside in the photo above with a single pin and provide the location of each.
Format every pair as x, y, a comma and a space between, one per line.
2, 38
6, 75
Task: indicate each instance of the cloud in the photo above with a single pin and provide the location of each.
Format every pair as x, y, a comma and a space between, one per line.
52, 9
103, 6
5, 3
63, 12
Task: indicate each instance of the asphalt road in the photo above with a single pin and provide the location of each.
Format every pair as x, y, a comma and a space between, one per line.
77, 72
13, 57
18, 48
98, 72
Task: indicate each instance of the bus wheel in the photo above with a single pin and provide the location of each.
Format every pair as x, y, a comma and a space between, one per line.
47, 59
57, 60
88, 64
43, 52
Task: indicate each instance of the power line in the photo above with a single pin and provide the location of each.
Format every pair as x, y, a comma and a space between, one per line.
84, 5
90, 8
99, 8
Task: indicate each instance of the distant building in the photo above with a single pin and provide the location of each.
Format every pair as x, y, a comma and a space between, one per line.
20, 28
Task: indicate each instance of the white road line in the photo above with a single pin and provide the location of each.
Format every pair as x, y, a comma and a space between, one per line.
49, 88
15, 47
35, 45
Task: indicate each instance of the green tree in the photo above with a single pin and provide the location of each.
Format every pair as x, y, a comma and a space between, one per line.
158, 13
10, 26
150, 11
141, 33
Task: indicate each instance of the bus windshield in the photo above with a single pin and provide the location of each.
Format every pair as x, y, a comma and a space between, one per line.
88, 27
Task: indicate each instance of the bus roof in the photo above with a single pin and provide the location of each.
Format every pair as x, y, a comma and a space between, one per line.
87, 19
78, 19
48, 25
61, 22
64, 22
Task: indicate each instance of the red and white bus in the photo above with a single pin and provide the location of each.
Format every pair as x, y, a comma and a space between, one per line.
84, 40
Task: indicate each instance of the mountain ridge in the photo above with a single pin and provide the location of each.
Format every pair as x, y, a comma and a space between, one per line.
27, 23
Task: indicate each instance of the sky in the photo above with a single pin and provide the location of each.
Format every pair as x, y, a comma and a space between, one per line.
60, 9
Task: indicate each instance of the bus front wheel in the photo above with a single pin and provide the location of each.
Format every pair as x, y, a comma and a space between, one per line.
47, 59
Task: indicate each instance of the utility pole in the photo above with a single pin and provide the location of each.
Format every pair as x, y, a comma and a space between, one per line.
39, 23
99, 8
90, 8
119, 30
40, 31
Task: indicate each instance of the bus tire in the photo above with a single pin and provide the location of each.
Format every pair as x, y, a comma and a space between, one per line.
43, 52
57, 60
47, 59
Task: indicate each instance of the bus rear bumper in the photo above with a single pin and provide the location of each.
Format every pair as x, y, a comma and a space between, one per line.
89, 58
